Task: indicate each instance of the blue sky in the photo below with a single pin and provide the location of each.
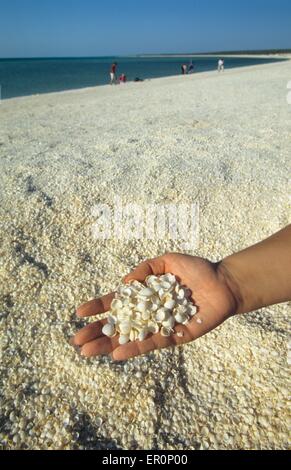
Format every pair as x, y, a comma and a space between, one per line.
41, 28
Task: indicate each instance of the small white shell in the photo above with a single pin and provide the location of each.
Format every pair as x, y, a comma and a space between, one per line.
161, 314
165, 331
126, 291
181, 294
125, 327
154, 307
123, 339
137, 316
146, 292
170, 304
151, 279
153, 327
111, 319
181, 317
133, 335
156, 286
169, 278
156, 302
166, 285
198, 320
180, 309
123, 315
192, 310
146, 315
141, 307
169, 322
116, 304
137, 324
161, 292
126, 310
108, 329
135, 284
143, 334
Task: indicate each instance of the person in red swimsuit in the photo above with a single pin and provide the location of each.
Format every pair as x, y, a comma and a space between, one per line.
113, 73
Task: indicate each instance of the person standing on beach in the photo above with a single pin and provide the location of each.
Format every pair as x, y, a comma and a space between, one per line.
191, 67
184, 69
220, 65
113, 73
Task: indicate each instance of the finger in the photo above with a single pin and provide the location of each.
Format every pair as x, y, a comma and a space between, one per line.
157, 341
152, 266
102, 345
88, 333
132, 349
136, 348
95, 306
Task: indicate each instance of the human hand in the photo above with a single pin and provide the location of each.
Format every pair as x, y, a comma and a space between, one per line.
210, 292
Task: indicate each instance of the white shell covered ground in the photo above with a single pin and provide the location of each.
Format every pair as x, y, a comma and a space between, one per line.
222, 141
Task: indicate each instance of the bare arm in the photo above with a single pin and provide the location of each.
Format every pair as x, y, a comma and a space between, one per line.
261, 274
250, 279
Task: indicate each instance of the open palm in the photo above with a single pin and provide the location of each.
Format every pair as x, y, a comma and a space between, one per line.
210, 293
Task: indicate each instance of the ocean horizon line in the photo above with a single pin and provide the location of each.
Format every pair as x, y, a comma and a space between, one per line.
157, 54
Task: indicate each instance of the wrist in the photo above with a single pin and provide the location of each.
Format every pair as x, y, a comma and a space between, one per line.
227, 274
259, 275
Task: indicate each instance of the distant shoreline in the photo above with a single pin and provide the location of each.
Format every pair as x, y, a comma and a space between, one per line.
251, 53
231, 53
282, 55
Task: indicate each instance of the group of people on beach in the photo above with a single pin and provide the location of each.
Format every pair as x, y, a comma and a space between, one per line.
185, 69
122, 78
113, 76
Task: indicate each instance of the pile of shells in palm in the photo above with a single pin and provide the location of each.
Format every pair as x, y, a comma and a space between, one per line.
154, 307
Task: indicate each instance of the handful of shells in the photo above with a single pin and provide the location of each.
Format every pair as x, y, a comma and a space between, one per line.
156, 307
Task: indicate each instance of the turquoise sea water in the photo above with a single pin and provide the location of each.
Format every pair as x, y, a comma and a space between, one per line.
20, 77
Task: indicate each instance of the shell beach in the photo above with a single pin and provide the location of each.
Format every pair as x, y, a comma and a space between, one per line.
220, 141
